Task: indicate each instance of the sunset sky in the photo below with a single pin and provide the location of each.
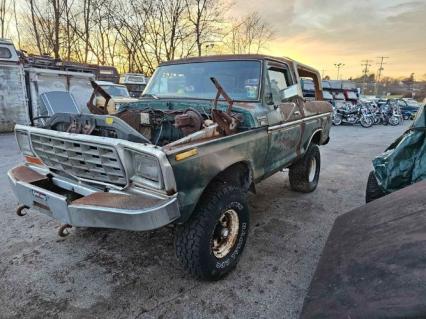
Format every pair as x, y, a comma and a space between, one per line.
323, 32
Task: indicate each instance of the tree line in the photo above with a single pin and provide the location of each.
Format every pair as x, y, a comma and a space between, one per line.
134, 36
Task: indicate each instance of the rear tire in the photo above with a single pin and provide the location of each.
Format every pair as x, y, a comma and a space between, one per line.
210, 243
373, 190
366, 122
304, 174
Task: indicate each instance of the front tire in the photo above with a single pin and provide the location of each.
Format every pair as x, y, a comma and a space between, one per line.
394, 121
210, 243
337, 120
366, 122
304, 174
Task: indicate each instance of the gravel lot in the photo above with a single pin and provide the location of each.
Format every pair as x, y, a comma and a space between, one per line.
122, 274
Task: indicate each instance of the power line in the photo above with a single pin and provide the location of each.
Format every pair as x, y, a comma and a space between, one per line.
379, 71
365, 64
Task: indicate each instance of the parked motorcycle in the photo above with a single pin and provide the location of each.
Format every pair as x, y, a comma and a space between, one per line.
391, 113
353, 115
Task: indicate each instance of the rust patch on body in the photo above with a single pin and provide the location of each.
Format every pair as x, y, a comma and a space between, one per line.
25, 174
301, 104
119, 201
317, 107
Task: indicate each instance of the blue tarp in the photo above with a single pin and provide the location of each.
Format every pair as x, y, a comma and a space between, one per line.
404, 162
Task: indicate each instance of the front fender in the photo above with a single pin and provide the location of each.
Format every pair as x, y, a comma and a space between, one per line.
195, 173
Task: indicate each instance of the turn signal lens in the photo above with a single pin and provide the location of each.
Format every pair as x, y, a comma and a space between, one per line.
182, 156
33, 160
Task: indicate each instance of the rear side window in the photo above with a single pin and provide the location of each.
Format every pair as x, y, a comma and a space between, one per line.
5, 53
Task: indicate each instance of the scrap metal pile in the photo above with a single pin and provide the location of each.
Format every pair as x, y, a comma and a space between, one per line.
152, 125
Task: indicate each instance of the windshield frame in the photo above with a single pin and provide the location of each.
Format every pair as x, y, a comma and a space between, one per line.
254, 100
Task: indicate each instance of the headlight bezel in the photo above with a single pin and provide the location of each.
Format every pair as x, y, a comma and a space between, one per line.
145, 179
24, 142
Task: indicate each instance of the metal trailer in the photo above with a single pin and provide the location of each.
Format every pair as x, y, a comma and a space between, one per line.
13, 98
21, 85
45, 80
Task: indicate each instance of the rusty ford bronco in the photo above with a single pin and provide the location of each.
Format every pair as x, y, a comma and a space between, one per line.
204, 133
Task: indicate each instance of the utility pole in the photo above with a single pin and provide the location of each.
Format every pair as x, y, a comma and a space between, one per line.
323, 73
365, 64
379, 71
338, 66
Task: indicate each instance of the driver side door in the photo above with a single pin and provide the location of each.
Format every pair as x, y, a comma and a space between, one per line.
284, 117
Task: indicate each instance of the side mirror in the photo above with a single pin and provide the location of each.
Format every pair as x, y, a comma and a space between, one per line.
290, 92
269, 98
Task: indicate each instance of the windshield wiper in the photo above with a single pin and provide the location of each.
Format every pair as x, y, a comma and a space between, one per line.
150, 95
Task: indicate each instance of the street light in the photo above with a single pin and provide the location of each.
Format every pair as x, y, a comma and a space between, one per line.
339, 66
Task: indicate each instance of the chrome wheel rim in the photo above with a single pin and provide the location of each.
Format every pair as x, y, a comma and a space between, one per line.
312, 169
225, 233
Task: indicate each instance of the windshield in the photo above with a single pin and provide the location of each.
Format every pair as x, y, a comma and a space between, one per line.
240, 80
116, 91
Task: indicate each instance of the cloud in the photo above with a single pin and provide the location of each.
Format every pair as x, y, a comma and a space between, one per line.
335, 30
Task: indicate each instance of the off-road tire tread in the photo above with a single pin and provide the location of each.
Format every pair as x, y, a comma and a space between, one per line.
189, 235
298, 171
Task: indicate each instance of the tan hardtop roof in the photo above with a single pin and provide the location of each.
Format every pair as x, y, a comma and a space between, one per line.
230, 57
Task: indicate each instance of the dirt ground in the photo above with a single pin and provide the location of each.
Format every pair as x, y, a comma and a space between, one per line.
123, 274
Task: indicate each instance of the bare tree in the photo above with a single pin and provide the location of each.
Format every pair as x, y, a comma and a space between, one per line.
206, 17
172, 30
154, 31
46, 25
249, 35
133, 34
35, 25
136, 35
15, 16
57, 11
3, 25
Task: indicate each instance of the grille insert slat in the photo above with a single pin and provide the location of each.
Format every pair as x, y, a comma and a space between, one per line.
80, 159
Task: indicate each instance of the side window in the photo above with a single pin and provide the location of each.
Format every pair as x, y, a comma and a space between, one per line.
5, 53
279, 80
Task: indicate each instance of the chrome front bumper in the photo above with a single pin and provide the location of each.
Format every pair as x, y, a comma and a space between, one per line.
80, 206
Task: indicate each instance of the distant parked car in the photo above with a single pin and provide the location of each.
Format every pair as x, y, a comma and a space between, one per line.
409, 108
135, 83
119, 95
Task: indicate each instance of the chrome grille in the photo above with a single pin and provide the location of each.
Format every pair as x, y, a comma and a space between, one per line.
80, 159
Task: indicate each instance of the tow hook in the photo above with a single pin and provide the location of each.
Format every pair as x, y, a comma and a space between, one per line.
63, 230
20, 210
